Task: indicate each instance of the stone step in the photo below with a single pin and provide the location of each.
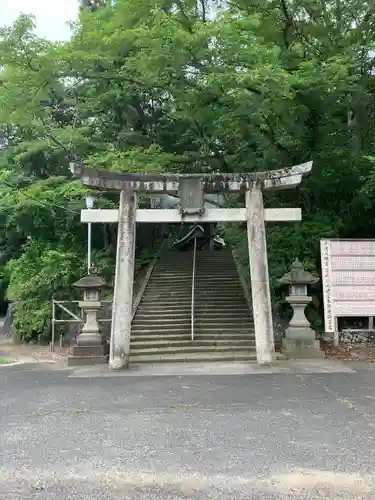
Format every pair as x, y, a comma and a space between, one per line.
199, 326
171, 264
208, 301
161, 308
243, 329
173, 278
207, 294
201, 278
176, 329
244, 324
169, 281
147, 308
218, 315
216, 274
211, 312
222, 326
206, 267
202, 322
202, 254
173, 269
185, 257
199, 298
174, 304
205, 281
217, 279
172, 274
226, 303
168, 289
202, 293
163, 295
200, 330
230, 291
165, 289
207, 289
229, 316
161, 276
162, 344
182, 310
160, 317
179, 325
174, 263
245, 355
227, 291
203, 265
198, 319
199, 286
158, 321
184, 305
239, 304
228, 263
212, 296
189, 348
207, 337
166, 301
214, 263
162, 330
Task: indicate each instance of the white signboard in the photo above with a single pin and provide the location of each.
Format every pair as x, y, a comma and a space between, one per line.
348, 274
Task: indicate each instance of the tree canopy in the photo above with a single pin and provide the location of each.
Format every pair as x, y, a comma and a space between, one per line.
182, 86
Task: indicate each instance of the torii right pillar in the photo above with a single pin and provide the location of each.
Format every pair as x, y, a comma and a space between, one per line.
258, 259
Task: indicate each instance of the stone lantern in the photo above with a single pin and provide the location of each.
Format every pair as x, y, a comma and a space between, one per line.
91, 347
300, 339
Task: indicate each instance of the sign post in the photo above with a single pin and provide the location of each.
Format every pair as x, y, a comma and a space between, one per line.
348, 276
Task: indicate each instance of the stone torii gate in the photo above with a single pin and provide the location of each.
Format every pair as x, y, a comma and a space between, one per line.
190, 188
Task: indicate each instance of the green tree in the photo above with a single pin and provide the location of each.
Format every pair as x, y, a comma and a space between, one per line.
168, 86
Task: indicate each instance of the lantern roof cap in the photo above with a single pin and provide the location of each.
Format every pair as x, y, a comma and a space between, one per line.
298, 275
91, 281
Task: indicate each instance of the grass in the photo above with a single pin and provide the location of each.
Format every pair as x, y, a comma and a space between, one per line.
5, 361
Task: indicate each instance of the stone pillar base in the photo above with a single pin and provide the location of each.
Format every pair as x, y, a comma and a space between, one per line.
88, 355
302, 348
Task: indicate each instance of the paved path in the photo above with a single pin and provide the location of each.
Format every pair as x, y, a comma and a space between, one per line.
264, 436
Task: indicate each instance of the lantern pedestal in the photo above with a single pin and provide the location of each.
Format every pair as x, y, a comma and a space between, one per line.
88, 355
90, 333
91, 348
300, 340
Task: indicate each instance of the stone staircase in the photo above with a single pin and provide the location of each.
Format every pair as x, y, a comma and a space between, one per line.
223, 328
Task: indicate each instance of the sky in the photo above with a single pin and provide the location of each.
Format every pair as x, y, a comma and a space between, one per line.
51, 15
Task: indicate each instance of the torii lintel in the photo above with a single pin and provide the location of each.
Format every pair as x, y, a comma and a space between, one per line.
170, 183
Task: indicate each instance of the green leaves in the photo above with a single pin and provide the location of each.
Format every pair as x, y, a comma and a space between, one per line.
158, 86
46, 269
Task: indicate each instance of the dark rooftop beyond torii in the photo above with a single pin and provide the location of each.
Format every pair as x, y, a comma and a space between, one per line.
211, 183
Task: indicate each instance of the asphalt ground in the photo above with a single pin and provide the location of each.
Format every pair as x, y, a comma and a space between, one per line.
67, 434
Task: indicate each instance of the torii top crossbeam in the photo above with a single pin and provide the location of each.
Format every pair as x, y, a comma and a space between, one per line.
170, 183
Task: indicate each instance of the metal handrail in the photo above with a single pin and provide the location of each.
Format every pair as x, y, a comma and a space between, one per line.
193, 290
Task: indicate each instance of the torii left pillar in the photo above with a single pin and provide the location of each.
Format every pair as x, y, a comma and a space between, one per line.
124, 278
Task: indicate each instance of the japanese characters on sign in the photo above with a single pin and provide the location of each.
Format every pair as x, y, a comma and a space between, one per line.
326, 280
348, 277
